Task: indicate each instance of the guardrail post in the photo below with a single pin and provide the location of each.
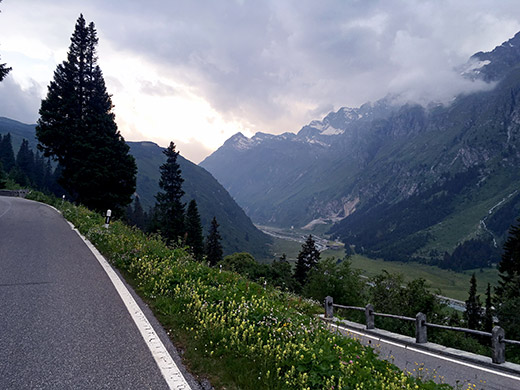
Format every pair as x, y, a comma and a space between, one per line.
498, 346
329, 309
369, 315
421, 335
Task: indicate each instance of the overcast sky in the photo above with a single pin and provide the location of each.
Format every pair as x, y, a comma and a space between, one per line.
197, 72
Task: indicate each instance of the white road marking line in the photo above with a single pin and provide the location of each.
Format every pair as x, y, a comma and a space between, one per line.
169, 369
5, 212
510, 376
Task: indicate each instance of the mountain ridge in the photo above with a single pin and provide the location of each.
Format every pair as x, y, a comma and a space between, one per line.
359, 172
237, 231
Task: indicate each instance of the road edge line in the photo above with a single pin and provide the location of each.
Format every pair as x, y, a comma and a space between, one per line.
170, 371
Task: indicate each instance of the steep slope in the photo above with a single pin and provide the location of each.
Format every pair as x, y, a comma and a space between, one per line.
401, 182
19, 131
238, 232
291, 179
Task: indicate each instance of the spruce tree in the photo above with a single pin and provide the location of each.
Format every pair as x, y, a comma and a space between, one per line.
4, 70
194, 237
473, 313
308, 259
213, 246
507, 297
509, 266
139, 216
169, 206
489, 313
3, 177
25, 161
7, 153
77, 127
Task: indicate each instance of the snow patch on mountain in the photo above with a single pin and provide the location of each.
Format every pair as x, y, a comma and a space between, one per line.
473, 67
325, 128
241, 142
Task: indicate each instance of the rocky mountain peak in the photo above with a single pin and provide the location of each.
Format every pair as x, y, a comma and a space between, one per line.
494, 65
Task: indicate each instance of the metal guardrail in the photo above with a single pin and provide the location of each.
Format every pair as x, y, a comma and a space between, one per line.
15, 193
498, 340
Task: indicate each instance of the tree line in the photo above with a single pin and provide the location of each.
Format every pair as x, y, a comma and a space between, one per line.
27, 168
77, 129
170, 218
389, 293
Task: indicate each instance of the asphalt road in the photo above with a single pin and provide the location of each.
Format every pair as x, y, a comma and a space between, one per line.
62, 323
441, 369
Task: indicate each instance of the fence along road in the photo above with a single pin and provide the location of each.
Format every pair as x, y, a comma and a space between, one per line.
63, 324
429, 360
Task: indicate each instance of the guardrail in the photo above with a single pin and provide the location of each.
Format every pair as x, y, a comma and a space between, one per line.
498, 340
16, 193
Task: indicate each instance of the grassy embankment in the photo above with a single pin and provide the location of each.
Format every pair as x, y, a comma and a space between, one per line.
235, 332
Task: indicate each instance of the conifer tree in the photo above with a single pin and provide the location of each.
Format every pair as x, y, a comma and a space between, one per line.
509, 266
308, 259
25, 161
77, 127
507, 297
194, 237
7, 153
139, 216
473, 313
169, 206
489, 313
213, 246
4, 70
3, 177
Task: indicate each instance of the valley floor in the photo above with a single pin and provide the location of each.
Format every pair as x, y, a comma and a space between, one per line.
451, 284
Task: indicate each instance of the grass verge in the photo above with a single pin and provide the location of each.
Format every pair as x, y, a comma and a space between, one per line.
239, 334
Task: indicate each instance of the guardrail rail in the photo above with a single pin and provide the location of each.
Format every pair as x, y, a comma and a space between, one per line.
498, 340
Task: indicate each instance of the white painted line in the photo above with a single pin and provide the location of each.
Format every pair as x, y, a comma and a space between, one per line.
462, 363
169, 369
5, 212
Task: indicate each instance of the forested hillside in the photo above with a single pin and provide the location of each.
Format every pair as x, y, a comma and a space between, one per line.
401, 182
238, 232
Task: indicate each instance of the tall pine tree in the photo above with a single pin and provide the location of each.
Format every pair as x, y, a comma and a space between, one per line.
489, 312
506, 294
7, 153
194, 237
169, 206
213, 245
3, 177
25, 162
473, 313
509, 266
308, 259
77, 127
4, 70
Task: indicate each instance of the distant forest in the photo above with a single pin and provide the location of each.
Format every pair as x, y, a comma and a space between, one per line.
27, 168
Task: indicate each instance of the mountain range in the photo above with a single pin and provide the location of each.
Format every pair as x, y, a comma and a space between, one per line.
399, 182
237, 231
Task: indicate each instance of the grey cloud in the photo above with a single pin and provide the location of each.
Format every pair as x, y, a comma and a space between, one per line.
275, 63
18, 104
157, 89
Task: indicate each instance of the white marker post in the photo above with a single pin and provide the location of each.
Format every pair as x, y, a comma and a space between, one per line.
107, 219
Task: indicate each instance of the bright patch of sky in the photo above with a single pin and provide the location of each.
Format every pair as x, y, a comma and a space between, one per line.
198, 72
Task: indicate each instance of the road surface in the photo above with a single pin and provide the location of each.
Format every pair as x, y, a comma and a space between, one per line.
63, 325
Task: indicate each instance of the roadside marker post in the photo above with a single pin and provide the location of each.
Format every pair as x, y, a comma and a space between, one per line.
107, 219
